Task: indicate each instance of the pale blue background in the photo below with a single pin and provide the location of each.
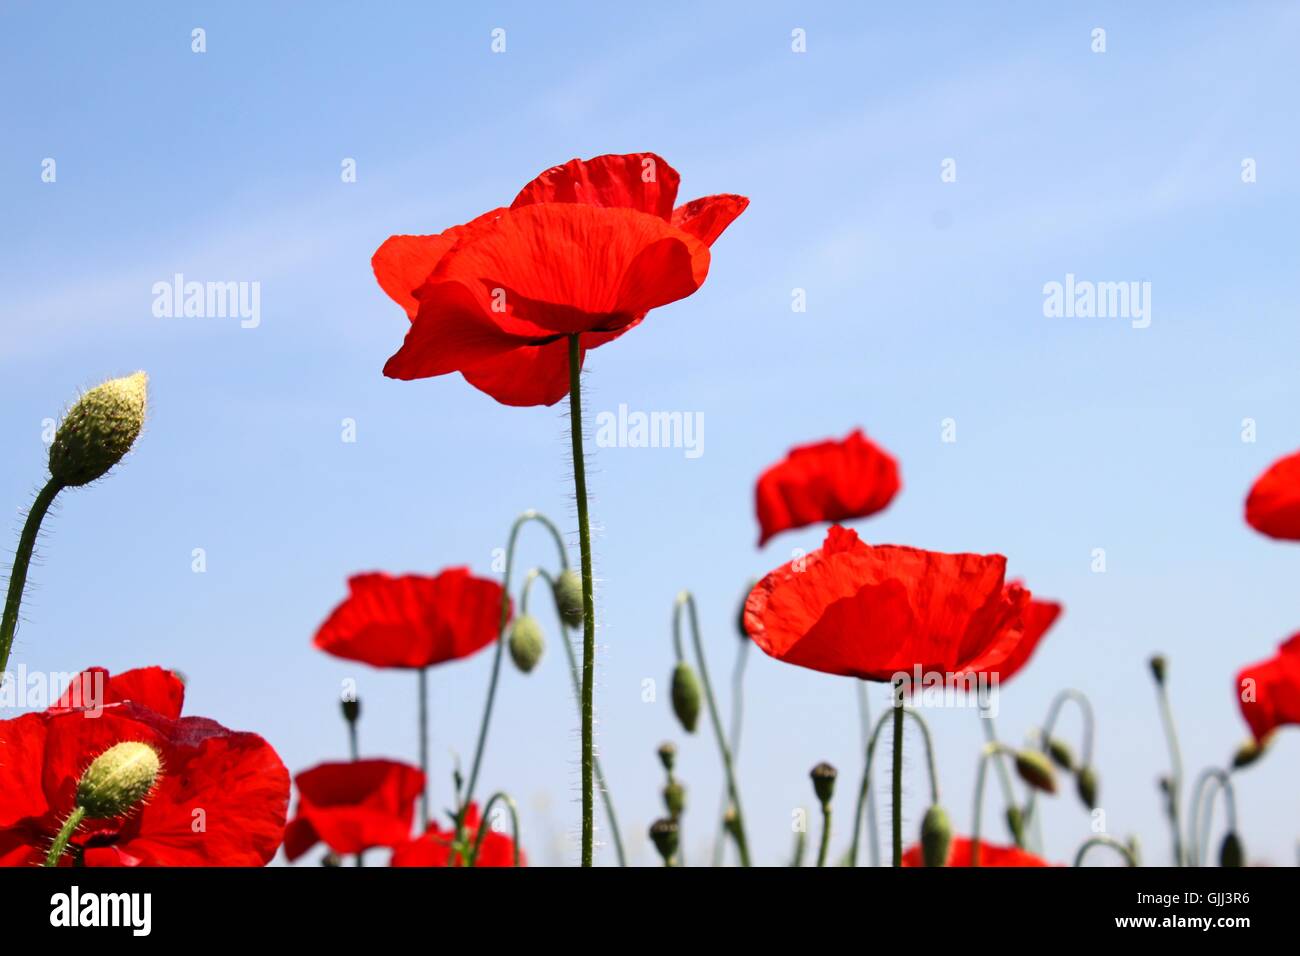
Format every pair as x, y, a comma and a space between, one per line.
924, 302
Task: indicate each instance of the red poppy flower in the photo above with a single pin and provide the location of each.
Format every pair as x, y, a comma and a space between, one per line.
587, 247
220, 799
1273, 505
1270, 690
353, 807
873, 612
990, 855
1039, 616
434, 847
413, 620
825, 481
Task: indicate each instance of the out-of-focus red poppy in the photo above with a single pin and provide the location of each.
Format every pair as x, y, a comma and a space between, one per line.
874, 612
1038, 617
587, 247
825, 481
434, 847
990, 855
353, 807
1273, 505
1269, 691
413, 620
219, 800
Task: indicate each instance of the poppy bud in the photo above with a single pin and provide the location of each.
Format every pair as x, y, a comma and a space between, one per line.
117, 780
1249, 752
98, 430
1016, 823
663, 833
568, 597
1159, 667
936, 836
351, 709
1060, 753
1231, 853
1086, 784
675, 799
731, 822
823, 778
1036, 770
668, 755
526, 642
686, 696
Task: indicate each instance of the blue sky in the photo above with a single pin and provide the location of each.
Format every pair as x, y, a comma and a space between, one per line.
924, 303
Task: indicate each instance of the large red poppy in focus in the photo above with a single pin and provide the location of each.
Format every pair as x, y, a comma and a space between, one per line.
434, 847
353, 807
873, 612
587, 247
1273, 505
825, 481
1269, 692
220, 799
413, 620
990, 855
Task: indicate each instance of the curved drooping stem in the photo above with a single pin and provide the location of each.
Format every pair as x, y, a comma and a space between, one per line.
687, 600
1176, 772
990, 752
737, 716
1079, 698
601, 785
1004, 775
1201, 815
931, 765
873, 833
1112, 843
22, 561
588, 597
484, 826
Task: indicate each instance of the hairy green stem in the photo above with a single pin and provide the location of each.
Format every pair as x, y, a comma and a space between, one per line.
22, 561
865, 786
588, 598
898, 777
485, 825
65, 834
873, 832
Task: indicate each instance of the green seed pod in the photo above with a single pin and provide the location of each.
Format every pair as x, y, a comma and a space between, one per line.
117, 780
823, 778
98, 430
1086, 784
936, 836
1060, 753
351, 709
1159, 668
568, 597
1232, 853
675, 799
663, 833
686, 696
668, 755
1016, 824
1036, 770
526, 642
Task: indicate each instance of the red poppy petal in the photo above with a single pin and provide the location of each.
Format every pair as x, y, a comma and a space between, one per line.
1269, 691
959, 854
640, 181
354, 806
1039, 617
706, 218
402, 263
1273, 506
154, 688
528, 375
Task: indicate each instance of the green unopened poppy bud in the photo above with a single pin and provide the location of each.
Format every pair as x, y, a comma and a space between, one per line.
1060, 753
668, 755
1085, 783
98, 430
936, 836
1159, 668
1232, 853
351, 709
823, 779
663, 833
117, 780
1249, 752
1016, 823
731, 822
686, 696
675, 799
526, 642
1036, 770
568, 597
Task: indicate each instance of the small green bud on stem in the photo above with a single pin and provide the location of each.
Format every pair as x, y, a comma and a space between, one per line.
686, 696
664, 835
936, 836
568, 597
526, 642
1036, 770
823, 779
98, 430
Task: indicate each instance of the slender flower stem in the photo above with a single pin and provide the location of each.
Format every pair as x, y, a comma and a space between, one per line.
687, 600
898, 776
1004, 775
22, 560
865, 786
990, 751
484, 826
423, 689
737, 716
1202, 811
1176, 774
588, 598
800, 845
1045, 736
826, 834
353, 750
873, 833
65, 834
1106, 841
